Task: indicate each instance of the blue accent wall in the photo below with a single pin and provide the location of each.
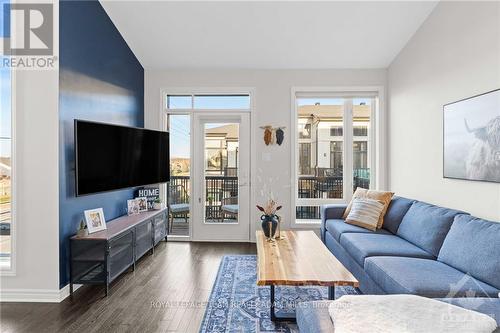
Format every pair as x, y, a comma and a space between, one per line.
5, 26
100, 80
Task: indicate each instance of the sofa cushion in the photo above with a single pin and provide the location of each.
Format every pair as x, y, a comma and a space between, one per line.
395, 212
426, 226
179, 208
424, 277
382, 196
338, 227
473, 246
361, 246
365, 213
230, 208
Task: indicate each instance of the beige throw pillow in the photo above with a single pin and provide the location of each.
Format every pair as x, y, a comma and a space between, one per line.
382, 196
365, 213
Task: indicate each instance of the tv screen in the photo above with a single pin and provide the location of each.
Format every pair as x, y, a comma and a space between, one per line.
110, 157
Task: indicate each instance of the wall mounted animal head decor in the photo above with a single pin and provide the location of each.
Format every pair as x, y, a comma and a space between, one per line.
268, 134
273, 135
280, 136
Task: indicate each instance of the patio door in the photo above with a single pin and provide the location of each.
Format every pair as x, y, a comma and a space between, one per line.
221, 176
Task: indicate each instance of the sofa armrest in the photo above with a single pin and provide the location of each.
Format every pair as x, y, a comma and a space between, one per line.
328, 212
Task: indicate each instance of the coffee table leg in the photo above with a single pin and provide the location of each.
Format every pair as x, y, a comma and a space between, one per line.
331, 296
273, 309
331, 293
273, 315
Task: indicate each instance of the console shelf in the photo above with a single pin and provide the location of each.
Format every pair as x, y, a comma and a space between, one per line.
101, 257
93, 254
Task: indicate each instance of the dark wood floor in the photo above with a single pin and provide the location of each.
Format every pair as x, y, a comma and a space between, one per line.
160, 296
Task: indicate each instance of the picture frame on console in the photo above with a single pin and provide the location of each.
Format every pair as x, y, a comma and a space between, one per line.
95, 220
143, 204
471, 138
132, 207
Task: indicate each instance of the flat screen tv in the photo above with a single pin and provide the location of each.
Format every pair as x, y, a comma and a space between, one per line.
110, 157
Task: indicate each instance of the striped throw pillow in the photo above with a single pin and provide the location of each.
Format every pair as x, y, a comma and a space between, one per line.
365, 213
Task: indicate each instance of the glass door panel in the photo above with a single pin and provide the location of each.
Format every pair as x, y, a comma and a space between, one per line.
221, 172
320, 153
361, 158
179, 187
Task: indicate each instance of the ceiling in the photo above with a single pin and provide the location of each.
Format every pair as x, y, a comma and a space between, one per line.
267, 35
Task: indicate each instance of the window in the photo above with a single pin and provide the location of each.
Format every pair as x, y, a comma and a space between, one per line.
362, 111
179, 102
325, 171
215, 155
360, 157
221, 144
208, 102
233, 102
320, 160
336, 131
305, 162
179, 187
336, 159
360, 130
304, 131
5, 170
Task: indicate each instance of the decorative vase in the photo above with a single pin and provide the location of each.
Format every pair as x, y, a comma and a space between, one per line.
278, 236
156, 205
82, 232
269, 225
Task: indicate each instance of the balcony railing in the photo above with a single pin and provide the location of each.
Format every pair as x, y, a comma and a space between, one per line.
219, 187
314, 187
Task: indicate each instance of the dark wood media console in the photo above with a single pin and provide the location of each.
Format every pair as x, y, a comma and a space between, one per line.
100, 257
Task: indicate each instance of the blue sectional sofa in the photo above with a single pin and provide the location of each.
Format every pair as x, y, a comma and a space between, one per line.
422, 249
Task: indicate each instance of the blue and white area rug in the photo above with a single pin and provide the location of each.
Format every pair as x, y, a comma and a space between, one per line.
237, 304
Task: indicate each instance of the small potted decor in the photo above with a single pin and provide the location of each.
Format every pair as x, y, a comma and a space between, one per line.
269, 219
157, 204
210, 200
82, 229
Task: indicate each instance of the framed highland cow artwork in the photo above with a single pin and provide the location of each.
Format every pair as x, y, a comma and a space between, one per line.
471, 138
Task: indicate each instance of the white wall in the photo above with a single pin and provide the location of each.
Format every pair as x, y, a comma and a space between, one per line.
454, 55
273, 106
36, 180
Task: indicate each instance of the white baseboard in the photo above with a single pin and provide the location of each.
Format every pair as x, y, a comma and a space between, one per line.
64, 292
36, 295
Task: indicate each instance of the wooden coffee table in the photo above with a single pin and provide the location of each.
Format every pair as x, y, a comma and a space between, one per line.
299, 259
